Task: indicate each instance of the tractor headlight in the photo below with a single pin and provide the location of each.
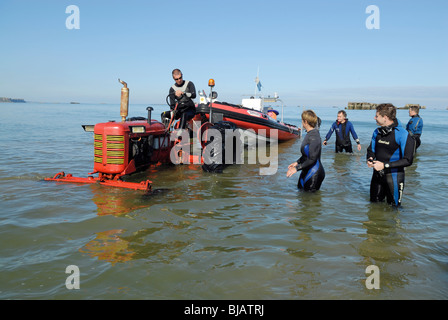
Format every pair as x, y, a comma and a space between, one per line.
88, 127
138, 129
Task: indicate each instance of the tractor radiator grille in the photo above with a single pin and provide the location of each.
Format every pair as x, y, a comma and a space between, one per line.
114, 149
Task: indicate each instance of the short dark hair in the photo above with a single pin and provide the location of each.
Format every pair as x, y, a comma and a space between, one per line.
416, 109
343, 112
388, 110
176, 71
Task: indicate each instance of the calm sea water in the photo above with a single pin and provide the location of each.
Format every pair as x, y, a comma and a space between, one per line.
236, 235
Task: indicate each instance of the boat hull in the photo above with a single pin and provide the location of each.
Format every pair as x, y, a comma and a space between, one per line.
247, 119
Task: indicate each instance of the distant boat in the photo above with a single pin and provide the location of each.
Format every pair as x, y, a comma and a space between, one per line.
74, 102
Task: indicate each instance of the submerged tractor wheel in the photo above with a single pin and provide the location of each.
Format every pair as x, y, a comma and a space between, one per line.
214, 152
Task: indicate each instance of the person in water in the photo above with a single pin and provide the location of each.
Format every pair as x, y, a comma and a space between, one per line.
343, 128
273, 113
309, 163
182, 93
415, 125
390, 151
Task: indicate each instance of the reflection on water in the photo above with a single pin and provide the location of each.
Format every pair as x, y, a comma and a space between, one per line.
109, 246
110, 201
308, 211
385, 245
383, 240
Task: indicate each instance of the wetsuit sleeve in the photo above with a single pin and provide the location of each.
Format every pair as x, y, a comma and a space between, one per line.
190, 92
415, 125
330, 132
354, 135
371, 148
312, 151
419, 126
406, 143
408, 126
172, 98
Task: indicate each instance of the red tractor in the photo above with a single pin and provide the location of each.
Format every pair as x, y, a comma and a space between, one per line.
122, 148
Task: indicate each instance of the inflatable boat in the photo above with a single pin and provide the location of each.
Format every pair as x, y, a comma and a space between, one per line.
247, 118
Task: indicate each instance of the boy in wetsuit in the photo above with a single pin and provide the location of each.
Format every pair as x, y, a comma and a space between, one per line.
343, 128
390, 150
415, 125
313, 172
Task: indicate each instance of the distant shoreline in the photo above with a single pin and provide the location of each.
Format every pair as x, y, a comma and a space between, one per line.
372, 106
12, 100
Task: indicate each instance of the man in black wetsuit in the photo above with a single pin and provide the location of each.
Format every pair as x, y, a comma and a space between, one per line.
390, 150
415, 125
343, 128
182, 93
313, 172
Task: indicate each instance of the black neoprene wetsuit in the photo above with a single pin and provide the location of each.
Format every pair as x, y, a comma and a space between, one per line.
186, 109
415, 128
313, 172
395, 148
343, 131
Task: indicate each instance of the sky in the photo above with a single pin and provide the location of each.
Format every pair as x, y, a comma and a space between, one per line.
312, 53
